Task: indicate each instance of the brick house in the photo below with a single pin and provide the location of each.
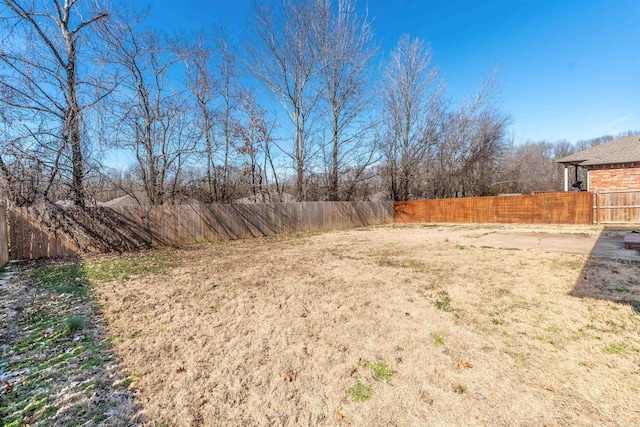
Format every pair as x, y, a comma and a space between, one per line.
614, 165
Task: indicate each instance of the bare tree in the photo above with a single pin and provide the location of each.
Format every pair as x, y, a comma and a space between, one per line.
213, 73
284, 56
198, 57
346, 45
411, 112
228, 92
151, 116
470, 145
45, 75
253, 131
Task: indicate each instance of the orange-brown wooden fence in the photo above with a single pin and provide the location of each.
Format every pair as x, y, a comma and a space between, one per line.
58, 231
4, 238
616, 207
543, 208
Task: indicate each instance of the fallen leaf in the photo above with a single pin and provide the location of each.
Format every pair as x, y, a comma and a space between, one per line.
339, 416
289, 376
6, 388
464, 365
342, 347
550, 388
181, 370
352, 370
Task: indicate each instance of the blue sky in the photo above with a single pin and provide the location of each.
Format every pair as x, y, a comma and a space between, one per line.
567, 69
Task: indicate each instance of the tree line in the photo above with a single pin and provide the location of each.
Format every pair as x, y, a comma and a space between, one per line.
304, 105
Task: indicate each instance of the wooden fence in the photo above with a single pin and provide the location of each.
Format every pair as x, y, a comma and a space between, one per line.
544, 208
616, 207
4, 238
58, 231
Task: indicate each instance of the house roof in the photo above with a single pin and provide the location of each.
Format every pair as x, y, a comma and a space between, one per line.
620, 150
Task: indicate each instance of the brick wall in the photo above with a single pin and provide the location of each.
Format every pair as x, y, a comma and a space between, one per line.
614, 178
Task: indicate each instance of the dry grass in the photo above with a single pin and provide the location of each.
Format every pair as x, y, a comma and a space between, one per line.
402, 326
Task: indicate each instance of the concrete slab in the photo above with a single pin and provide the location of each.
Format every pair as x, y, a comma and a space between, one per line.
605, 245
632, 241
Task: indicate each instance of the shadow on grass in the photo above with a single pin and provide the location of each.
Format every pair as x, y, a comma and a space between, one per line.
56, 365
611, 272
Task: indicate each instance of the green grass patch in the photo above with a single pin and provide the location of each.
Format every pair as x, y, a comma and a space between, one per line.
46, 355
75, 323
614, 349
63, 279
381, 371
122, 268
360, 392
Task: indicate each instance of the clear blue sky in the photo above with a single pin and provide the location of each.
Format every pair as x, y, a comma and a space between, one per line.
568, 69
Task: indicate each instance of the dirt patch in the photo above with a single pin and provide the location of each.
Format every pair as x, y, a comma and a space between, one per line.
394, 325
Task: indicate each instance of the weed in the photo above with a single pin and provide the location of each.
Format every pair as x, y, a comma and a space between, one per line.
381, 371
410, 299
438, 339
75, 324
297, 235
497, 321
216, 306
366, 303
461, 247
360, 392
443, 301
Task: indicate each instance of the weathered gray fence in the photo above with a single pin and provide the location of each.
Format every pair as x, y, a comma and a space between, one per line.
58, 231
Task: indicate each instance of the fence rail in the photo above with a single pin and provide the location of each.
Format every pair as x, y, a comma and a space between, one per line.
4, 237
616, 207
58, 231
543, 208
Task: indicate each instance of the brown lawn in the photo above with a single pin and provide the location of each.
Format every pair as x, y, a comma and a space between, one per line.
393, 325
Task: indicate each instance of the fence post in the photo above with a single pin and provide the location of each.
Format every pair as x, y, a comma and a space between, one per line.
597, 195
4, 237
